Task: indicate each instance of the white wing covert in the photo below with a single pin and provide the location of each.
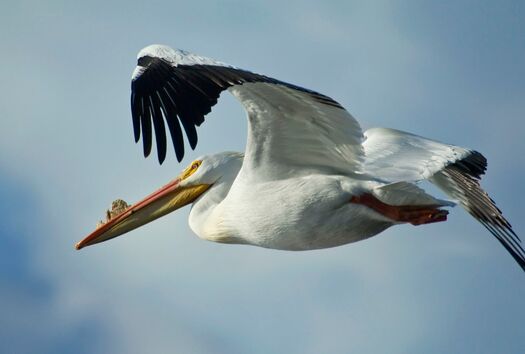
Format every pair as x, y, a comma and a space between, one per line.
397, 156
290, 132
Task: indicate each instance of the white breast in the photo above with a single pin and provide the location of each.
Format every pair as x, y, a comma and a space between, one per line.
292, 214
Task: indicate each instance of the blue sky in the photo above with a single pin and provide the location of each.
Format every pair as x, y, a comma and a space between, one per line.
449, 70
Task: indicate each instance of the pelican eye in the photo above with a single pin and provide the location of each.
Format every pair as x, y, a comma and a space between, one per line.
191, 170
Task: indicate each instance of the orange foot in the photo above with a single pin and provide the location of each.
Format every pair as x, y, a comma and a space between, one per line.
414, 214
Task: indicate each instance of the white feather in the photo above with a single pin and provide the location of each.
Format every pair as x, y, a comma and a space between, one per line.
394, 156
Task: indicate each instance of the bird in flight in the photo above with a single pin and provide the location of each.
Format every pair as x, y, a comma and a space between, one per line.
309, 178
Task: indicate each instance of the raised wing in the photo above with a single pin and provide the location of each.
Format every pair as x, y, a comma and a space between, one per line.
289, 127
393, 155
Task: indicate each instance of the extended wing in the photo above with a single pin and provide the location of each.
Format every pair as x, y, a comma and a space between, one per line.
290, 128
394, 156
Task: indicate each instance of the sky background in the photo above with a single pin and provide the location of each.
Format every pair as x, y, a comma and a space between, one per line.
450, 70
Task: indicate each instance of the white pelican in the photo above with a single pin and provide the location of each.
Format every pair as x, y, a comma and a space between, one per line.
310, 178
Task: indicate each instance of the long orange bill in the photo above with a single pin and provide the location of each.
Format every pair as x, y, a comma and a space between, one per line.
165, 200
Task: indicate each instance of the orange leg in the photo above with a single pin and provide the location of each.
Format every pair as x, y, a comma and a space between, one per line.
414, 214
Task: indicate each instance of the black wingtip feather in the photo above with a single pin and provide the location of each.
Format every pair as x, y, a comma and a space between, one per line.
160, 131
516, 252
176, 137
135, 114
475, 164
193, 143
169, 110
146, 130
463, 177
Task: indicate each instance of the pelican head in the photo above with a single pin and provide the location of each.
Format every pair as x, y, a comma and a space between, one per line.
207, 175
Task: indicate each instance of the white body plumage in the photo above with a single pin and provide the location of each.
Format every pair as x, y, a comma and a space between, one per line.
309, 178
